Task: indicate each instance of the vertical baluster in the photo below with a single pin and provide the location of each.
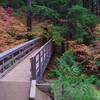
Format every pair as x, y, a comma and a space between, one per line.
42, 57
46, 55
3, 66
12, 61
50, 50
43, 60
40, 65
47, 52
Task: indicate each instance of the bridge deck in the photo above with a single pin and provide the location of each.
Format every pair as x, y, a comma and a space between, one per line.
21, 72
15, 85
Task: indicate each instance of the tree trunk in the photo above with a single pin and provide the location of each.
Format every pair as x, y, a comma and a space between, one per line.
92, 5
29, 15
63, 47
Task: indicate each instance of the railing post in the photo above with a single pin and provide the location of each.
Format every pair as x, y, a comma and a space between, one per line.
33, 68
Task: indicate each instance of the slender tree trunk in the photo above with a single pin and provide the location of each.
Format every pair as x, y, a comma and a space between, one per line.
63, 47
29, 15
83, 3
92, 5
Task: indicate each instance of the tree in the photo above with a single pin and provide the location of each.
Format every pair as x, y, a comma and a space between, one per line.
29, 15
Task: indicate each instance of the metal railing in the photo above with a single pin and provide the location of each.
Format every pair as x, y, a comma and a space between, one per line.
40, 61
10, 58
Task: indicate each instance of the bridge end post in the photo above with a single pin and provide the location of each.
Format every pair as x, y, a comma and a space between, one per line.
33, 80
33, 90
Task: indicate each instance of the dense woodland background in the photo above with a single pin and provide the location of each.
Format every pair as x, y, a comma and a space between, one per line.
73, 26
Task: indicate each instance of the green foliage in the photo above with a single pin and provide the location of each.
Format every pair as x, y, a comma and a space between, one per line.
81, 23
61, 6
40, 11
57, 33
67, 65
4, 3
70, 83
98, 63
44, 11
60, 28
57, 38
57, 5
13, 3
17, 3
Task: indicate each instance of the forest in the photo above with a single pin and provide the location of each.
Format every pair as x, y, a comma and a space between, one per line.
74, 28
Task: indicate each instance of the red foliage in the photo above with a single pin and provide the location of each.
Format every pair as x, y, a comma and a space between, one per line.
10, 27
7, 21
87, 55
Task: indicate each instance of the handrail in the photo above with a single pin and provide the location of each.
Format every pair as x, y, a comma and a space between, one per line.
40, 61
11, 57
2, 55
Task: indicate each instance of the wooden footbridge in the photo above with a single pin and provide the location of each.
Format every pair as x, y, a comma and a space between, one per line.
22, 69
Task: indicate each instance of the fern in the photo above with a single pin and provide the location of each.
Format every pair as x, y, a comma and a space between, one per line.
70, 83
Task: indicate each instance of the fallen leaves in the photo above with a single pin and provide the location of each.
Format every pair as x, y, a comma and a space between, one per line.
10, 29
7, 20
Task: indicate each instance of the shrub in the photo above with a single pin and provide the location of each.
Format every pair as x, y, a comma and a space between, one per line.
70, 83
57, 33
